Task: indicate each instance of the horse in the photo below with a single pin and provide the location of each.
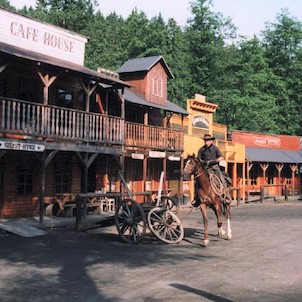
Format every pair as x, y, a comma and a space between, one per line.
208, 197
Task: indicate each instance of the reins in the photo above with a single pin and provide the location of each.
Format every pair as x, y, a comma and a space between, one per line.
200, 173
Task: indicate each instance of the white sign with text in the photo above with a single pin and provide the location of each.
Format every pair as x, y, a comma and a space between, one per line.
32, 35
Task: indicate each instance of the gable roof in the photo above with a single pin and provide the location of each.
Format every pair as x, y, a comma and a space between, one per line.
135, 99
144, 64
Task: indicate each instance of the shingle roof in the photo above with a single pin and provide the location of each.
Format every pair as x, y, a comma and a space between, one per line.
273, 155
37, 57
144, 64
135, 99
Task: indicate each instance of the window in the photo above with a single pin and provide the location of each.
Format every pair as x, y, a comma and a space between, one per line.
157, 87
65, 98
63, 167
25, 176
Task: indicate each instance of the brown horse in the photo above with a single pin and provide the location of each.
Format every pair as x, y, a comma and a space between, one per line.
208, 197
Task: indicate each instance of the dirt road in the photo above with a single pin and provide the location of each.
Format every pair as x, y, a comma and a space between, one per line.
263, 262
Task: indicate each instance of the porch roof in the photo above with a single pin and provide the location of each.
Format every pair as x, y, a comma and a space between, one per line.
37, 57
271, 155
135, 99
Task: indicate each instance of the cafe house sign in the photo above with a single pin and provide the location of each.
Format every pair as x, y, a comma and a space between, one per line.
28, 34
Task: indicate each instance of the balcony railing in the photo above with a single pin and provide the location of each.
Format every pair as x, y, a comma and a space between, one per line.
31, 119
138, 135
37, 120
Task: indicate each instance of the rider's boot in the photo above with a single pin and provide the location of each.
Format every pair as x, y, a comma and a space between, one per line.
196, 202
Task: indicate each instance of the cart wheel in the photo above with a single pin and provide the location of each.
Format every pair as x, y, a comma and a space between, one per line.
130, 221
168, 203
216, 184
165, 225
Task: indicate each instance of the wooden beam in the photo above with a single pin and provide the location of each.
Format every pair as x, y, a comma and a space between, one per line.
47, 81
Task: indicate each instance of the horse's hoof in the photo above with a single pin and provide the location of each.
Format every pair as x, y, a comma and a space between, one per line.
221, 232
229, 237
206, 242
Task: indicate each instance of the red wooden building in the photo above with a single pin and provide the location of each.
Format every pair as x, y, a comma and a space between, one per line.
272, 161
66, 129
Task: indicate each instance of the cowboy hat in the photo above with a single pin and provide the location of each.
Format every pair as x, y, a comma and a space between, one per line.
208, 137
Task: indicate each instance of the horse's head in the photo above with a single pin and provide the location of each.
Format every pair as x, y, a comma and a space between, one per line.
191, 164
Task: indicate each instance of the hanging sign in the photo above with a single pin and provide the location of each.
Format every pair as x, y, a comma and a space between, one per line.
200, 121
174, 158
157, 154
137, 156
15, 145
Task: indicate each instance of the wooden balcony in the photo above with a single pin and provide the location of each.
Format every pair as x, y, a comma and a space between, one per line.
152, 137
35, 120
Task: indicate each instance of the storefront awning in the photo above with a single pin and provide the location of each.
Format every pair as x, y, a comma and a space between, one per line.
270, 155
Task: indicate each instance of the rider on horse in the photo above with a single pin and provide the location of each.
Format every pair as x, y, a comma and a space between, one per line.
211, 156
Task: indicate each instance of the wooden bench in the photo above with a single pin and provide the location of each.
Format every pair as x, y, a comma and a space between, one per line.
254, 192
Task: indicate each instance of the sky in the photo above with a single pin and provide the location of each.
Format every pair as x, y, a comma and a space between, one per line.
249, 16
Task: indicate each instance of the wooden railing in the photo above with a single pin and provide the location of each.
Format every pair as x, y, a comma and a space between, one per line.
153, 137
37, 120
25, 118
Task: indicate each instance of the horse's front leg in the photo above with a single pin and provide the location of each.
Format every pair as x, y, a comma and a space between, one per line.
217, 210
204, 213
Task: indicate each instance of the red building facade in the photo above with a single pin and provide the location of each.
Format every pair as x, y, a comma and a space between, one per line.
272, 161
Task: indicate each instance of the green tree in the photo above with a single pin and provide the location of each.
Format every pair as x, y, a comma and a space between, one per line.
177, 58
105, 46
244, 89
205, 37
6, 4
282, 42
137, 31
69, 14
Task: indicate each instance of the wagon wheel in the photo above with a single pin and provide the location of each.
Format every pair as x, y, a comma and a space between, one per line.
165, 225
130, 221
216, 184
169, 203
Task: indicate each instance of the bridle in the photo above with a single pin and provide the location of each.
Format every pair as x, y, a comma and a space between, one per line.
199, 171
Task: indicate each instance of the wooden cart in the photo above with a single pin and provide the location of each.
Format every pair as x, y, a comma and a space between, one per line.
132, 219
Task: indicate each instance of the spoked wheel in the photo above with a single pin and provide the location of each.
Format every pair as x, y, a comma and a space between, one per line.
216, 184
165, 225
168, 203
130, 221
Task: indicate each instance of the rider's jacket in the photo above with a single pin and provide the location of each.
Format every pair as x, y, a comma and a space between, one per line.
209, 153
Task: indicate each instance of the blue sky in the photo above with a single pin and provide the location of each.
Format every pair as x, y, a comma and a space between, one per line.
249, 16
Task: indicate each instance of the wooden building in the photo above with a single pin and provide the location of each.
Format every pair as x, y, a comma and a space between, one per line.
65, 128
152, 143
272, 161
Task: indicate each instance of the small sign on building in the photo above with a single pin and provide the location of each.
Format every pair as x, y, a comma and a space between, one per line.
157, 154
137, 156
16, 145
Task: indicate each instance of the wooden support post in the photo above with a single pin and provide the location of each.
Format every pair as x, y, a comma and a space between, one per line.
261, 193
79, 213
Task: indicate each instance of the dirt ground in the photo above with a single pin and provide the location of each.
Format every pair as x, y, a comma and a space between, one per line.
263, 262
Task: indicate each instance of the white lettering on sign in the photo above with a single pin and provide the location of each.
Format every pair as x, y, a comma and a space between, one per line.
157, 154
174, 158
26, 33
12, 145
200, 121
267, 141
137, 156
